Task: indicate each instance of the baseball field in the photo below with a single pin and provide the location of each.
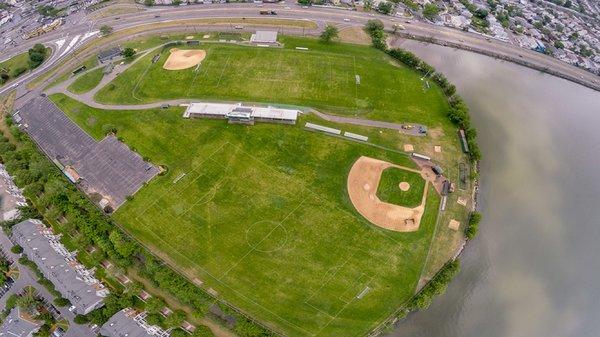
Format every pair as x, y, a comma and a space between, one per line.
260, 215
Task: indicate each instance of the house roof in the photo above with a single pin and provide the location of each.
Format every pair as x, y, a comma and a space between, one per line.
70, 278
15, 326
129, 323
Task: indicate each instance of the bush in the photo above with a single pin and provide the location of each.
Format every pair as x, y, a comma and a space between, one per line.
61, 302
16, 249
473, 226
81, 319
329, 33
436, 286
17, 72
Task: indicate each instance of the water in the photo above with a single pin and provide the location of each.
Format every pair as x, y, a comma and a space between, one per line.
534, 269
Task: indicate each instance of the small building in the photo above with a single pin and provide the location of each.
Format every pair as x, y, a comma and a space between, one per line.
264, 37
71, 279
131, 323
109, 54
15, 325
240, 114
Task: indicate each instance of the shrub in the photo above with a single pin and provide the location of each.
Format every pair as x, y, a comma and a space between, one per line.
329, 33
81, 319
16, 249
61, 302
473, 226
436, 286
17, 72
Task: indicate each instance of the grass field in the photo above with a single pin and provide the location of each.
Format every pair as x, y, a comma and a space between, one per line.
87, 81
389, 190
261, 215
16, 62
323, 78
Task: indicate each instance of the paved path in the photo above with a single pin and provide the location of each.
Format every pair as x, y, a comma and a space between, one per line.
88, 99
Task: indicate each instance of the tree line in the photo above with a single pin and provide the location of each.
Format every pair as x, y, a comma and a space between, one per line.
458, 112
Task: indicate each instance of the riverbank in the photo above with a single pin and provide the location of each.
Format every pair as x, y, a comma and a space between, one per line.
518, 59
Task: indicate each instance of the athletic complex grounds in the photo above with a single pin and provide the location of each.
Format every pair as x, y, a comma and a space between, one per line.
260, 215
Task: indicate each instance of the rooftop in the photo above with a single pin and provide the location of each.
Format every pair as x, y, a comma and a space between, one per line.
70, 278
130, 323
15, 326
226, 110
264, 36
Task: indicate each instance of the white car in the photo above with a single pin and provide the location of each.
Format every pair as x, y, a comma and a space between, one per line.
347, 20
71, 308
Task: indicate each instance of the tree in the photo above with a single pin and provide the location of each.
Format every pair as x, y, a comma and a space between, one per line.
28, 300
559, 44
372, 26
481, 13
149, 3
154, 319
176, 2
385, 7
305, 2
329, 33
430, 11
154, 305
122, 245
16, 249
128, 53
106, 30
175, 319
35, 59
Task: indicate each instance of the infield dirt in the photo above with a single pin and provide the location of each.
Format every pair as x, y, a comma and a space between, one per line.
183, 59
363, 180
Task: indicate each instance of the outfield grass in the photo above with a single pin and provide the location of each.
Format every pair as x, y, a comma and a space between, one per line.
87, 81
389, 190
321, 78
261, 215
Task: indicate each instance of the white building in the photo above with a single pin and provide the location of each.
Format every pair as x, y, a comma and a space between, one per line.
237, 113
264, 37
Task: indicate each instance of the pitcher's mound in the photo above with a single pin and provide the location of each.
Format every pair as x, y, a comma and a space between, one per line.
404, 186
183, 59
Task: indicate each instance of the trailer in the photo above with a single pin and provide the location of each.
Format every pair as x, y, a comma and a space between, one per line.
420, 156
463, 141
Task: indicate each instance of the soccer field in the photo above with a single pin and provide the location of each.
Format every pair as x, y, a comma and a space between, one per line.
261, 215
323, 78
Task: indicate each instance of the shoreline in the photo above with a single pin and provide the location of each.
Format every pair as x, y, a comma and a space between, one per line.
513, 59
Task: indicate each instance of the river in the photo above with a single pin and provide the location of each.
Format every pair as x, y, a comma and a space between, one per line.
534, 269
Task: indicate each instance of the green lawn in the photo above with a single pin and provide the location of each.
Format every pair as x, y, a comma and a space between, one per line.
261, 215
389, 190
87, 81
16, 62
323, 78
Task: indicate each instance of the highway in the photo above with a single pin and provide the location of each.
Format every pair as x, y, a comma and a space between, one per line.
81, 28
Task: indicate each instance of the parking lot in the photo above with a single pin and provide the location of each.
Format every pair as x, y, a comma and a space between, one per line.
107, 167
